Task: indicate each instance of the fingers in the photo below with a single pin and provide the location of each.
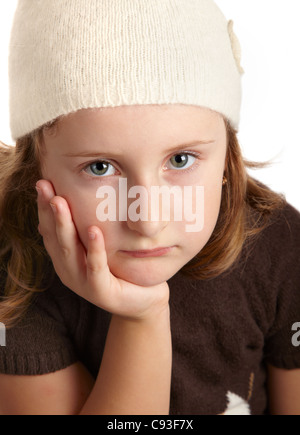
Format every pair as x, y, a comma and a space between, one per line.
64, 226
45, 192
98, 273
67, 248
55, 218
96, 258
59, 233
86, 273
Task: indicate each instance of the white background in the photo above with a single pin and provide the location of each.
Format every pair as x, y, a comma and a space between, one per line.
269, 33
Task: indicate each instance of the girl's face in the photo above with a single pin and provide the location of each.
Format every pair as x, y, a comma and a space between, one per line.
171, 145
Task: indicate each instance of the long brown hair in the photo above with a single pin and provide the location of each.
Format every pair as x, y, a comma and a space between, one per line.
245, 210
23, 258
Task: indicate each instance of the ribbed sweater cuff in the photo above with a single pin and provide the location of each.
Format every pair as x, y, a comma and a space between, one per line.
36, 364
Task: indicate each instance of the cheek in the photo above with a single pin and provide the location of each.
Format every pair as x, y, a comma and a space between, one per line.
82, 203
207, 217
195, 233
83, 209
84, 213
212, 202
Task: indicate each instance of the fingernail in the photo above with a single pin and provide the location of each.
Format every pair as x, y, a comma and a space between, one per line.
92, 236
54, 208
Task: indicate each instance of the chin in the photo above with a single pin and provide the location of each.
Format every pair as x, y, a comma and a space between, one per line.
144, 278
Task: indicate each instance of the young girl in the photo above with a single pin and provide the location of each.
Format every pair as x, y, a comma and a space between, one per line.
107, 309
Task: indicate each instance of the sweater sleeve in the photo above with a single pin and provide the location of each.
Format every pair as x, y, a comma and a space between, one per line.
40, 343
282, 346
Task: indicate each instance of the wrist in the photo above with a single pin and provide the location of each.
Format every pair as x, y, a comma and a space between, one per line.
153, 315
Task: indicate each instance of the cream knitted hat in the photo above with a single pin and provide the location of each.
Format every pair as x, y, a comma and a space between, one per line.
67, 55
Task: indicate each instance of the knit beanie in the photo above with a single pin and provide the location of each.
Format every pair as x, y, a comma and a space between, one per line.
67, 55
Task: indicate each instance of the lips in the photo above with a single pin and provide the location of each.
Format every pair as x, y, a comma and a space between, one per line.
158, 252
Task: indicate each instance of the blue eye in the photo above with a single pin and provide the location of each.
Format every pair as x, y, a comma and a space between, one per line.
182, 160
100, 169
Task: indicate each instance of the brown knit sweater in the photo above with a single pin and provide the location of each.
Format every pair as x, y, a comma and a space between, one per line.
224, 330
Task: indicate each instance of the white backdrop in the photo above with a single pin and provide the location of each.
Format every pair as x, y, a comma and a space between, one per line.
269, 34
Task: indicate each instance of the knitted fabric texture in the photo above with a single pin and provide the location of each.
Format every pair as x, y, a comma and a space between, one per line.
67, 55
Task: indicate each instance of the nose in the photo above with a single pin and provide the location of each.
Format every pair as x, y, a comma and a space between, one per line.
146, 229
145, 211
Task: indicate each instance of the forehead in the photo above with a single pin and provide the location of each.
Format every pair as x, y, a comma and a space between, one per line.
147, 125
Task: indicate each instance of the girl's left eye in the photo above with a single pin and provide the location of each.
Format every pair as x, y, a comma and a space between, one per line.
99, 169
182, 161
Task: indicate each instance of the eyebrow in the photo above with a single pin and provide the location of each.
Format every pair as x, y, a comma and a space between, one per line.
176, 148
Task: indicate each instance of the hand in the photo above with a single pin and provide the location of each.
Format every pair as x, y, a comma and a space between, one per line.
87, 272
